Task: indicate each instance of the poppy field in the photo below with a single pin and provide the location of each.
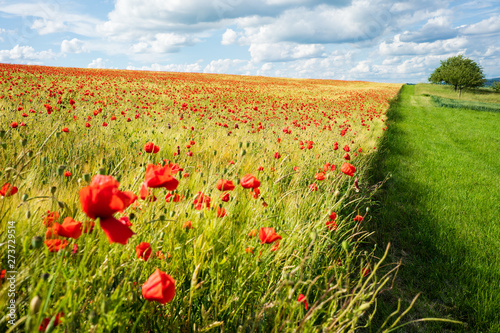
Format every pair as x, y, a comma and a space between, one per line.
183, 202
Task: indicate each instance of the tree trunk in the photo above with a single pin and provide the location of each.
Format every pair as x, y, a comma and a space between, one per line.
459, 92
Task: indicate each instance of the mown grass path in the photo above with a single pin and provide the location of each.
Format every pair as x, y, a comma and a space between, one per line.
441, 211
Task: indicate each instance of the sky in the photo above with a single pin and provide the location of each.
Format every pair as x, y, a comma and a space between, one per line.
381, 41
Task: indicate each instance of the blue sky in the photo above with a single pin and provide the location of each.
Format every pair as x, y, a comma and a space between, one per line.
383, 41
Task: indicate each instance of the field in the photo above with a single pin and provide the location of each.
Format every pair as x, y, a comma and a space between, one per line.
145, 201
439, 209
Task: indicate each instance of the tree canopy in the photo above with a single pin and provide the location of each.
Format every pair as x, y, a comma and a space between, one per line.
460, 72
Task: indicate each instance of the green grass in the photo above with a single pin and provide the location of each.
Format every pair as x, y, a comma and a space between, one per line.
440, 209
485, 95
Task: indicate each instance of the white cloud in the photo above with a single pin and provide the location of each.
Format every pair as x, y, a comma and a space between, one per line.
233, 66
72, 46
283, 51
229, 37
439, 27
25, 54
53, 18
194, 67
45, 27
323, 24
397, 47
164, 43
97, 63
488, 26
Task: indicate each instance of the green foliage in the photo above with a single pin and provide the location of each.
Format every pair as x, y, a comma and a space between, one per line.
460, 72
496, 86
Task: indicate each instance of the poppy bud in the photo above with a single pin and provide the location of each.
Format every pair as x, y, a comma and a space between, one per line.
86, 177
36, 242
24, 197
2, 133
53, 189
35, 304
24, 142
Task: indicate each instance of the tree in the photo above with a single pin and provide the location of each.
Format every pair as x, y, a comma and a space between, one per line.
460, 72
496, 86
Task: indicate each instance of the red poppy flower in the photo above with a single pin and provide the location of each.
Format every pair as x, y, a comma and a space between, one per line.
252, 233
151, 148
358, 218
225, 185
55, 245
333, 216
256, 193
46, 322
320, 176
187, 225
50, 218
70, 228
159, 287
249, 181
313, 187
346, 148
174, 197
302, 299
7, 190
268, 235
347, 157
348, 169
277, 155
102, 198
332, 225
221, 212
14, 124
249, 250
225, 197
65, 130
143, 251
67, 174
117, 231
201, 201
158, 176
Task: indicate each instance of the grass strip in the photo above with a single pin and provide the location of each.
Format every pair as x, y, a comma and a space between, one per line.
440, 209
459, 104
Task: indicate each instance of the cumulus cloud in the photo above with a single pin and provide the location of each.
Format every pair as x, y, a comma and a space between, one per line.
164, 43
72, 46
53, 18
397, 47
97, 63
322, 24
25, 54
229, 37
487, 26
436, 28
266, 52
194, 67
225, 66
